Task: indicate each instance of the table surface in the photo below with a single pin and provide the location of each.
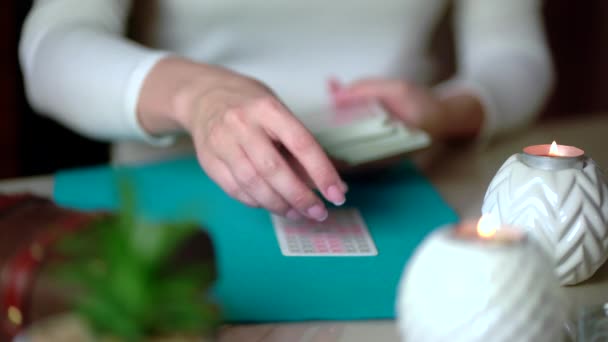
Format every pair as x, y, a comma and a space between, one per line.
461, 174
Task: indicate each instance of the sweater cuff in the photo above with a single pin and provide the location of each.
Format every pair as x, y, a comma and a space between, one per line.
133, 91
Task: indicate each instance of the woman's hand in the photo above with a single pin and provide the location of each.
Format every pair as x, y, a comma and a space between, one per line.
239, 128
451, 117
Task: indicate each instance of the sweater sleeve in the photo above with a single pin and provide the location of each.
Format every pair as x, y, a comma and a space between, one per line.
503, 59
80, 69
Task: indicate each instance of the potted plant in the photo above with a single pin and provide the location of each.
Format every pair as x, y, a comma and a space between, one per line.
131, 280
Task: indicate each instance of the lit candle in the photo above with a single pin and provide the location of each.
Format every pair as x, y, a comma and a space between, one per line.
466, 282
558, 195
553, 156
487, 230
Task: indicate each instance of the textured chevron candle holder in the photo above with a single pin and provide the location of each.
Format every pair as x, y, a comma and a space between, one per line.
560, 196
469, 285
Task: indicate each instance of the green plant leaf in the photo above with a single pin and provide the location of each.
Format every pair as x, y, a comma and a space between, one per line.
130, 283
106, 320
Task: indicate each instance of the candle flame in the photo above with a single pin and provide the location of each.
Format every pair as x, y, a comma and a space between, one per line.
485, 228
554, 150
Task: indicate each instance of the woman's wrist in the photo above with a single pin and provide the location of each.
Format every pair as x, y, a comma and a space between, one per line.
169, 92
463, 116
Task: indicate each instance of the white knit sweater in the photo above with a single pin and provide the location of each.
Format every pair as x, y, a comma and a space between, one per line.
81, 69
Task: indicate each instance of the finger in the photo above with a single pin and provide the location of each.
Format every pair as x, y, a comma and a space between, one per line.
384, 90
221, 175
301, 172
373, 87
333, 85
392, 94
358, 92
273, 168
302, 145
299, 169
248, 178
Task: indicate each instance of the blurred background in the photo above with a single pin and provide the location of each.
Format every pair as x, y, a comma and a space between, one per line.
31, 144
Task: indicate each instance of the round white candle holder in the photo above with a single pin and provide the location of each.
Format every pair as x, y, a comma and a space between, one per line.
463, 287
561, 199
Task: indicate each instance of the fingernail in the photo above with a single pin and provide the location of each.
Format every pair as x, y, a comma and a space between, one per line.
293, 215
335, 195
318, 212
344, 186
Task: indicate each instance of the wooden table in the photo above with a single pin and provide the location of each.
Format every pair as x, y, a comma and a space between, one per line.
461, 174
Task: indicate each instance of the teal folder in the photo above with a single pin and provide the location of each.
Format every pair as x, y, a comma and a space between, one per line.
256, 282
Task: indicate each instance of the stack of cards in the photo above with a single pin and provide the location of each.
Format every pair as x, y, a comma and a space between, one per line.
363, 133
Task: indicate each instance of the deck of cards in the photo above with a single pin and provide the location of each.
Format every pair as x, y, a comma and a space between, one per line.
361, 133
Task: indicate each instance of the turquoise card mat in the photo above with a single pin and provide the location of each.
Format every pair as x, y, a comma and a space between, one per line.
256, 282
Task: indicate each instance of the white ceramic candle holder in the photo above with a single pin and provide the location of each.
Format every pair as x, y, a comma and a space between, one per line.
461, 287
561, 198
